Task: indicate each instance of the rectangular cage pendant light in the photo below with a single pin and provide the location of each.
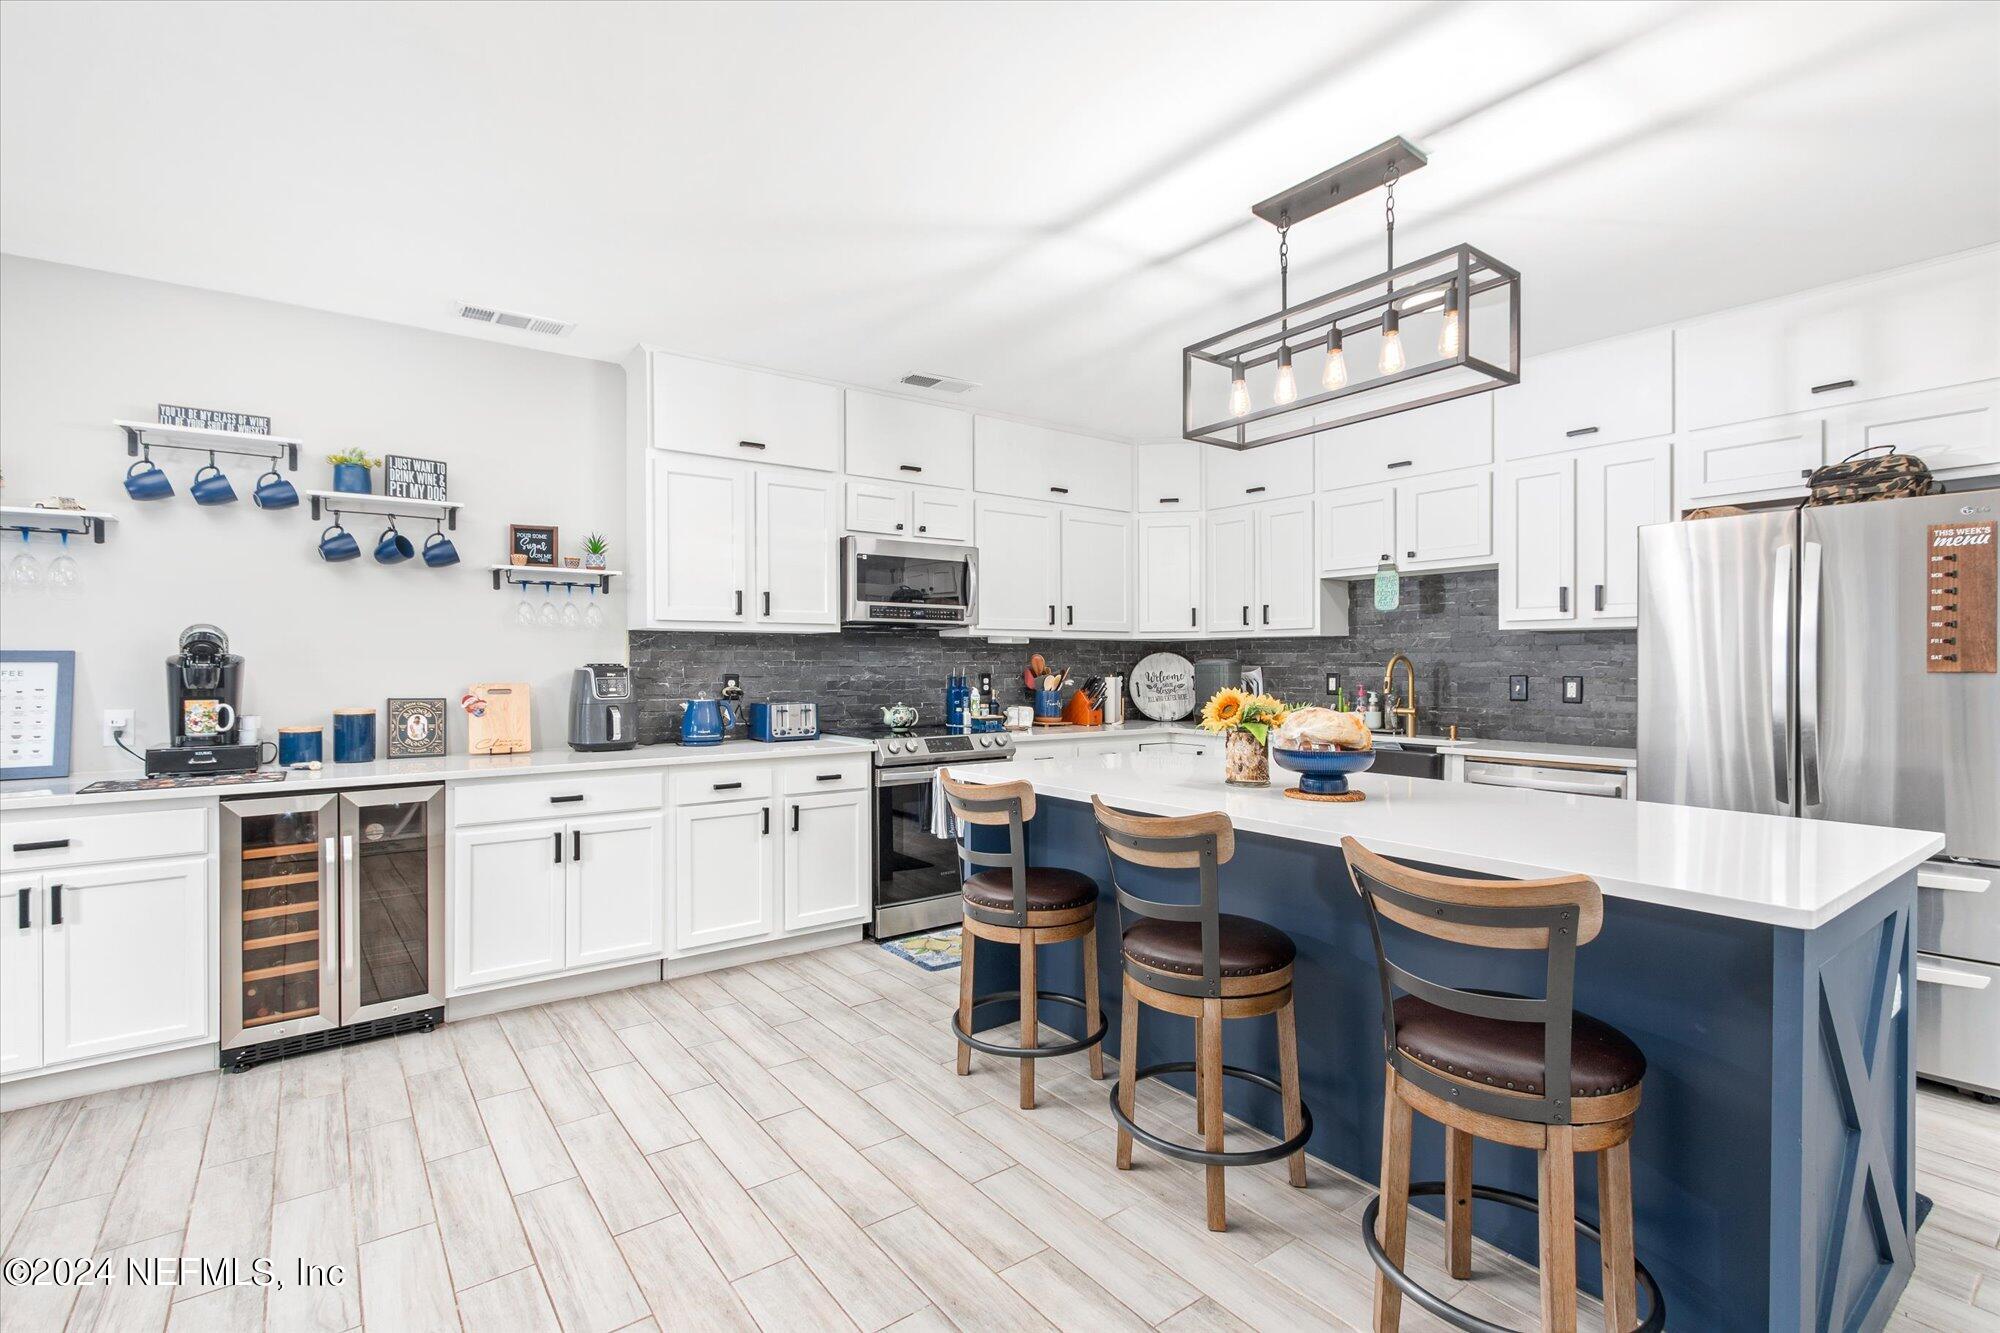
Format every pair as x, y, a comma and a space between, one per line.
1417, 333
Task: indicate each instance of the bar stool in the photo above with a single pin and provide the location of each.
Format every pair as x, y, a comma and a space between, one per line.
1529, 1073
1201, 963
1015, 903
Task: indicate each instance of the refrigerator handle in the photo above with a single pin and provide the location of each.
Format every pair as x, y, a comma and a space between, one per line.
1809, 579
1781, 653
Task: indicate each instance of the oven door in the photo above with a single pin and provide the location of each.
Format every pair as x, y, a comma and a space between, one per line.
889, 582
916, 871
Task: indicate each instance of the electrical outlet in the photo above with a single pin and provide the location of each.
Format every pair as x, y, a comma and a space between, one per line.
1572, 689
986, 682
1517, 688
732, 685
1332, 683
116, 719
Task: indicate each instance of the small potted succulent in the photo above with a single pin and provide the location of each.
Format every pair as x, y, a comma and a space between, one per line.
596, 550
350, 471
1245, 722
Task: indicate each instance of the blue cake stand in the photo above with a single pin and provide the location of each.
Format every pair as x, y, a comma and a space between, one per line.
1323, 773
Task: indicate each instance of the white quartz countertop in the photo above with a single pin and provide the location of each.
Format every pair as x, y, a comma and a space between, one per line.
47, 793
1787, 872
1608, 756
1143, 728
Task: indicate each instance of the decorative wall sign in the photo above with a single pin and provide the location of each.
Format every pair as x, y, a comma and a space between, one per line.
412, 478
36, 691
537, 543
1959, 564
1162, 686
208, 418
416, 728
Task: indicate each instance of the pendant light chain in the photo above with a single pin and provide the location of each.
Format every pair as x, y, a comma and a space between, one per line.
1389, 221
1284, 265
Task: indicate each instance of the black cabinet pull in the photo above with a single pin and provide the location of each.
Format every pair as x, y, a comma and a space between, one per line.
899, 527
1060, 490
1246, 614
724, 786
1600, 596
1069, 615
1194, 617
795, 819
1253, 490
576, 844
1829, 388
1580, 431
1052, 613
1385, 555
767, 601
1410, 555
558, 846
909, 467
1404, 463
1267, 613
55, 904
767, 821
21, 903
739, 601
1562, 599
749, 444
51, 845
1170, 499
827, 777
923, 527
565, 800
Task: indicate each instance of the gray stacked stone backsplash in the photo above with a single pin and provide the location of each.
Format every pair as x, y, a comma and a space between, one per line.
1447, 623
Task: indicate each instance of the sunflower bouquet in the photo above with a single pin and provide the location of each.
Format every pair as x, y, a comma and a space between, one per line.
1245, 722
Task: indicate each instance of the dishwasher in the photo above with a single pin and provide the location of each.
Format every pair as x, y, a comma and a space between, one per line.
1569, 779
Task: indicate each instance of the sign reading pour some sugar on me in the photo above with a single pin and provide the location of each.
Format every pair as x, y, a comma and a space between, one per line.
412, 478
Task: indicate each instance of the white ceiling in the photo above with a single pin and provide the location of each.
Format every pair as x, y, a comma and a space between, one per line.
1048, 199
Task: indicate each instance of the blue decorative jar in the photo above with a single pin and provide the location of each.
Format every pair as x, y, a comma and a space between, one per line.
352, 478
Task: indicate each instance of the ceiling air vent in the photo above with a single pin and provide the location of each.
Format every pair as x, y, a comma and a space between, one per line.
941, 383
554, 328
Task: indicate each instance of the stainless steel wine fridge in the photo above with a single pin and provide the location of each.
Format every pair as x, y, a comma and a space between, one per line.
332, 920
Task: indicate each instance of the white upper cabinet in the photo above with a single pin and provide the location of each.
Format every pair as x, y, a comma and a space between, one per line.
941, 516
1602, 393
1170, 475
1754, 460
1950, 429
1443, 437
1445, 520
797, 539
897, 439
1020, 559
1568, 534
928, 512
1537, 541
1229, 545
1927, 327
1287, 572
1251, 476
702, 407
1169, 566
1096, 572
873, 506
1037, 463
1357, 530
698, 540
1618, 492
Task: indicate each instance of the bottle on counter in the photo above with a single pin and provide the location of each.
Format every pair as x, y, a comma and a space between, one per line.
1372, 714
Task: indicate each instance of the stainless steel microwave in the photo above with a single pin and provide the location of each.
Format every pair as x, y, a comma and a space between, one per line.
920, 584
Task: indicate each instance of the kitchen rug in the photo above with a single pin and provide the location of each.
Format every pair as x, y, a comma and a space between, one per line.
934, 952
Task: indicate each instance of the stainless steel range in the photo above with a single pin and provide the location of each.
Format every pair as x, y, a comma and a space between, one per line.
916, 870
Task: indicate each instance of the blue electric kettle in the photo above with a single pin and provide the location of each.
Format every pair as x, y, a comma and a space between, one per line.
705, 722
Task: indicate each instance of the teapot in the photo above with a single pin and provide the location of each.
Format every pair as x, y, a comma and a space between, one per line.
899, 717
705, 721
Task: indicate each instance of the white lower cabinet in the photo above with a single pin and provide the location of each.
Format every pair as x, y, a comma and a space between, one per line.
125, 958
826, 859
21, 973
614, 901
724, 874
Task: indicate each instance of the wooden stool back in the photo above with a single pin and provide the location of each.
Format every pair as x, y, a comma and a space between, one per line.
1553, 916
1186, 842
985, 805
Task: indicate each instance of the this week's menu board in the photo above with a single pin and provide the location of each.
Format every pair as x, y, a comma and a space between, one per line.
35, 713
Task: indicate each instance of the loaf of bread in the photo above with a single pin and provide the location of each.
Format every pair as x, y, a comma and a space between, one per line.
1323, 729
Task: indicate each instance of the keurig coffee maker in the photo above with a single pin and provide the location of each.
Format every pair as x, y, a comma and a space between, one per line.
204, 691
601, 715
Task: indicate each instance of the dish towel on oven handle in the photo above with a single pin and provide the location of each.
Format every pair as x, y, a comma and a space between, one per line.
938, 821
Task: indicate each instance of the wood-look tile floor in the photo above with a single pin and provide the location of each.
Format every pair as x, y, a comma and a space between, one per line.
781, 1146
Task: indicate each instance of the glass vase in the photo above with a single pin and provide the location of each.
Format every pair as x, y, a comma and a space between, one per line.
1246, 761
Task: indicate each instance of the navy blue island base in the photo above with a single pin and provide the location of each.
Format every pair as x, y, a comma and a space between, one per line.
1773, 1163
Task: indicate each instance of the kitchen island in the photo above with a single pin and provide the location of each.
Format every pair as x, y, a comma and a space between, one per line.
1763, 965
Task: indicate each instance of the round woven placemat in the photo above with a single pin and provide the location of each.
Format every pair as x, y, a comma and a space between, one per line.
1335, 797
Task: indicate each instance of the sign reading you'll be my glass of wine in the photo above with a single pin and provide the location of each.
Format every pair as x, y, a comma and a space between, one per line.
412, 478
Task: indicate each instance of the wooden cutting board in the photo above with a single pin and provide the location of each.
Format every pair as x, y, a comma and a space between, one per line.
497, 717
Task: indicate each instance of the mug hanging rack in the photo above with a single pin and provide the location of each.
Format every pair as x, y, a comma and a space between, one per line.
195, 439
26, 519
551, 576
339, 503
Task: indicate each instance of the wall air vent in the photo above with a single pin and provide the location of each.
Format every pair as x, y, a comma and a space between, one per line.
941, 383
554, 328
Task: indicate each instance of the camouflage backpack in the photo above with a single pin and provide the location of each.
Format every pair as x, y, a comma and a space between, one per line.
1875, 473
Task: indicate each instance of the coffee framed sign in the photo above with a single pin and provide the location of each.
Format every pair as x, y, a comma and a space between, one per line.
537, 543
407, 478
416, 728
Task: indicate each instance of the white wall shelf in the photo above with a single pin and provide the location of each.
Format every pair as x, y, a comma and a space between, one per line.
141, 435
386, 506
31, 518
554, 576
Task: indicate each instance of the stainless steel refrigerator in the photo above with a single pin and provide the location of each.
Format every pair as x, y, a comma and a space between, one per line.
1784, 669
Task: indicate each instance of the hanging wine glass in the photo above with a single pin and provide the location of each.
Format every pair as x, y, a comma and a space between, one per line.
524, 610
593, 615
24, 572
571, 617
550, 617
63, 570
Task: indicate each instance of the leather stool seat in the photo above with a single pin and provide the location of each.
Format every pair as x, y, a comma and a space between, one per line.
1508, 1055
1050, 889
1245, 947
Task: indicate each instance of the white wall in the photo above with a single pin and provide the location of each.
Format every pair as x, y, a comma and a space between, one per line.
529, 437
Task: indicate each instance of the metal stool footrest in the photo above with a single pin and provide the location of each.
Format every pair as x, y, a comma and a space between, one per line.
1028, 1052
1242, 1157
1656, 1305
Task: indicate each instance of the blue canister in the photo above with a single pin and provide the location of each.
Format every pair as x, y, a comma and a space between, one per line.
957, 694
353, 735
1048, 702
298, 745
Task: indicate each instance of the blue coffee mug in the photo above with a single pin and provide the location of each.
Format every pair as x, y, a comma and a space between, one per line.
353, 735
274, 492
144, 480
210, 487
394, 548
439, 552
337, 543
298, 745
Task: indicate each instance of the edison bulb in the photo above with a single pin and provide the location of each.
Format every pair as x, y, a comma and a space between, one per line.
1287, 390
1392, 343
1239, 395
1448, 335
1333, 374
